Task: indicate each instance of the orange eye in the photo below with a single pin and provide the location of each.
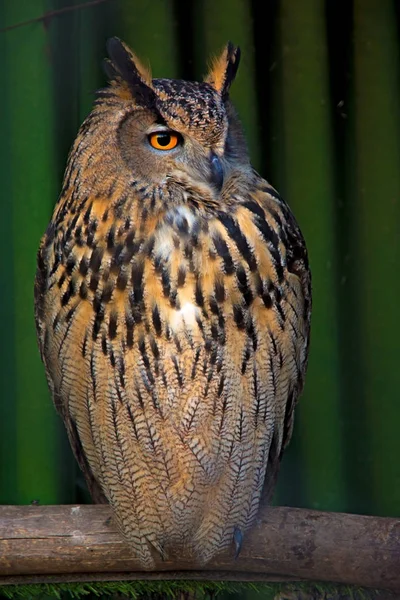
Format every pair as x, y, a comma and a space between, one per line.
164, 140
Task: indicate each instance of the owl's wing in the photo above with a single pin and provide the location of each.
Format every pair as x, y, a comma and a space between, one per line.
287, 246
44, 319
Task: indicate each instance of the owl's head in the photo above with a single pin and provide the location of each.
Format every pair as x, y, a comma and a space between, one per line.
161, 130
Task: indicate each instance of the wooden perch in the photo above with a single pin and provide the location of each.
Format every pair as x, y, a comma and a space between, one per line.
81, 543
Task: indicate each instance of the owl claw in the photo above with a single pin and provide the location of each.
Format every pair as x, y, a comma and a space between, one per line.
238, 539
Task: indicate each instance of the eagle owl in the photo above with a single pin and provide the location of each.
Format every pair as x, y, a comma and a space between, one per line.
173, 312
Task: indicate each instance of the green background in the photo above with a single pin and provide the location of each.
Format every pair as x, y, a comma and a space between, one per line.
318, 92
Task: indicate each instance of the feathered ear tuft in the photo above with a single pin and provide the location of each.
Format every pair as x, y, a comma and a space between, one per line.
125, 66
223, 69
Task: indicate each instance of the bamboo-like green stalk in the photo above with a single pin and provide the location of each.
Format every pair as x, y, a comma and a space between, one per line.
216, 23
8, 434
30, 434
303, 169
376, 247
149, 28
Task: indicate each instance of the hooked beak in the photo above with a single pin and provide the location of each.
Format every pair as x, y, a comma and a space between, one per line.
217, 172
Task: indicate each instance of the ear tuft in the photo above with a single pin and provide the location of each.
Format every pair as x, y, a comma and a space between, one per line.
124, 66
223, 69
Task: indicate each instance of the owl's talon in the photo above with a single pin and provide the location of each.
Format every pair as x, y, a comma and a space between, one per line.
238, 539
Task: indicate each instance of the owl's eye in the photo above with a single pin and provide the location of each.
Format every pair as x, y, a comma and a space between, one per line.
164, 140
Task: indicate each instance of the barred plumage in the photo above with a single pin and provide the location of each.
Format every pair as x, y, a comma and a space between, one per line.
173, 311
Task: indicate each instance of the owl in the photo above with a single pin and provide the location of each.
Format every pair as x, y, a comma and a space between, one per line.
172, 303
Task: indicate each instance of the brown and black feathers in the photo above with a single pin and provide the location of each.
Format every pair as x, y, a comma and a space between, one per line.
173, 312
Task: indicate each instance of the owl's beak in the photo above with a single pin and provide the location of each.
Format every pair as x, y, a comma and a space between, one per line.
217, 172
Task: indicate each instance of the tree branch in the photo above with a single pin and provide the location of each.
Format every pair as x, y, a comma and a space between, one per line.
81, 543
45, 18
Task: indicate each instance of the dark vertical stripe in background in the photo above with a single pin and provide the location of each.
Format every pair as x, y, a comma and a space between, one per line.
150, 28
318, 92
215, 24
